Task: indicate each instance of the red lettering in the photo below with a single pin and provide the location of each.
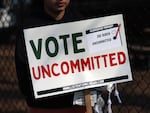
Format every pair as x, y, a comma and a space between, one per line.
75, 65
85, 63
121, 57
92, 63
53, 72
65, 68
45, 71
105, 63
112, 59
97, 61
36, 77
78, 65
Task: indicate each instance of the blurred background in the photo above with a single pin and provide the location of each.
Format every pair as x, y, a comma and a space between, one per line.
135, 95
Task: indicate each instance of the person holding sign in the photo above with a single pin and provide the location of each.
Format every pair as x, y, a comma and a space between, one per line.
50, 12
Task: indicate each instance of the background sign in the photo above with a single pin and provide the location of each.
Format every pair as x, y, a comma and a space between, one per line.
77, 55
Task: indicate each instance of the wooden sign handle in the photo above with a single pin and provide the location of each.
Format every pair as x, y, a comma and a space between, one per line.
88, 101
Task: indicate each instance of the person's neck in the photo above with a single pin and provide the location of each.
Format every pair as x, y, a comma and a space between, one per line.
56, 15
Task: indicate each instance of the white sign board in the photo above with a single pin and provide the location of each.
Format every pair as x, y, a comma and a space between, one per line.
77, 55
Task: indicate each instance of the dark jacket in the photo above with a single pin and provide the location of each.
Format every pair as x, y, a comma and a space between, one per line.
36, 19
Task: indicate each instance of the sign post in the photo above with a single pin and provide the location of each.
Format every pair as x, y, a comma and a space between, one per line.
88, 101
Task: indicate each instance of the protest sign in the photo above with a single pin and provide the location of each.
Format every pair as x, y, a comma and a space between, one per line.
74, 56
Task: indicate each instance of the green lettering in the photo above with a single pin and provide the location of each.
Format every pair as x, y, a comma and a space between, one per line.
37, 52
64, 37
49, 53
76, 42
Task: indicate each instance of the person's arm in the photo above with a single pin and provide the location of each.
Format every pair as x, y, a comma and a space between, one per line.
22, 66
